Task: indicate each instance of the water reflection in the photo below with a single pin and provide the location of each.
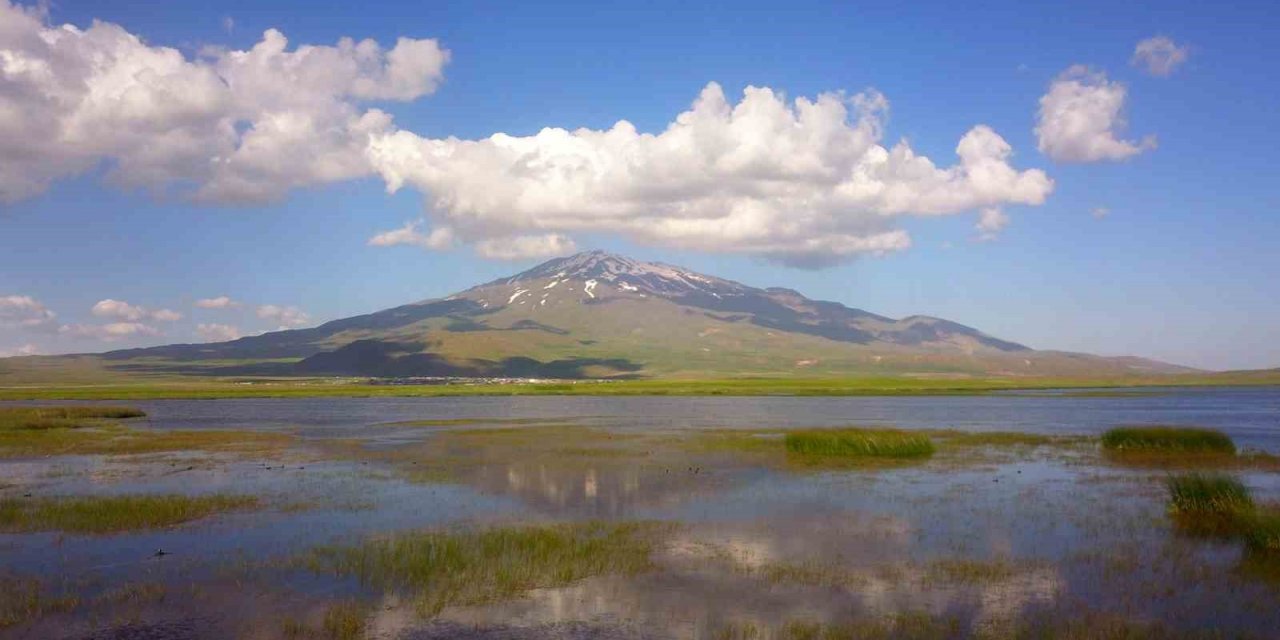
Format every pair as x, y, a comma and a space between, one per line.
607, 489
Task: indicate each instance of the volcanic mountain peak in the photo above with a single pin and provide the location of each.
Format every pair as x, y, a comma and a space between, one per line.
597, 314
628, 275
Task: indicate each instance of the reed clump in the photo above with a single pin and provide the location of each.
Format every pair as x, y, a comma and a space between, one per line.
1201, 494
859, 443
1210, 505
1178, 440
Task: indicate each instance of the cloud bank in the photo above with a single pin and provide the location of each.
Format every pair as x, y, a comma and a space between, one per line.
805, 182
1080, 119
111, 332
225, 126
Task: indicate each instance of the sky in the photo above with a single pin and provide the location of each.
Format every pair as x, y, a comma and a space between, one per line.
1095, 177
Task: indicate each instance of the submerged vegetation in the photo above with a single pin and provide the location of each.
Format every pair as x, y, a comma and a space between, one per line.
1167, 440
444, 568
858, 443
26, 599
111, 514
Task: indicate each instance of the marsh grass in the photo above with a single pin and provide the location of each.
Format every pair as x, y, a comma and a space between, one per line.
854, 444
445, 568
115, 439
1177, 440
112, 514
1199, 494
36, 418
1209, 505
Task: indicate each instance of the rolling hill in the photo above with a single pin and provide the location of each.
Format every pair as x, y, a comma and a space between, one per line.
596, 314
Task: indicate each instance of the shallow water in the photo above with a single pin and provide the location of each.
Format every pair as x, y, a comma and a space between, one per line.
1073, 537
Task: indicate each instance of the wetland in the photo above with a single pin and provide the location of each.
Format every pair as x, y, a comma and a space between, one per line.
1006, 515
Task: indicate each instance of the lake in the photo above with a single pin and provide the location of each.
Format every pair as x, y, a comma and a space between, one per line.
639, 517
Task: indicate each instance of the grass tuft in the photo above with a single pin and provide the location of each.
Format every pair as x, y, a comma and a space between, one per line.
111, 514
859, 443
344, 621
472, 567
1167, 440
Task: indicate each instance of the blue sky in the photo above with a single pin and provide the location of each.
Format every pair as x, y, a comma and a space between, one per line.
1181, 267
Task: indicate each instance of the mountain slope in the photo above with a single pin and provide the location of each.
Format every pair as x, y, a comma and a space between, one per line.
596, 314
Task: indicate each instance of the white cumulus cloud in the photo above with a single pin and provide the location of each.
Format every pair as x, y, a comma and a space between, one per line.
286, 317
411, 234
26, 312
991, 221
214, 332
1159, 55
1080, 119
804, 181
1100, 212
220, 302
121, 310
225, 126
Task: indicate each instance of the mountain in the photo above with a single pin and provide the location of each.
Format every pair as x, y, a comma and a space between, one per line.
596, 314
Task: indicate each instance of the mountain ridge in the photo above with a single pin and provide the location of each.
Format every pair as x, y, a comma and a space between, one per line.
596, 314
